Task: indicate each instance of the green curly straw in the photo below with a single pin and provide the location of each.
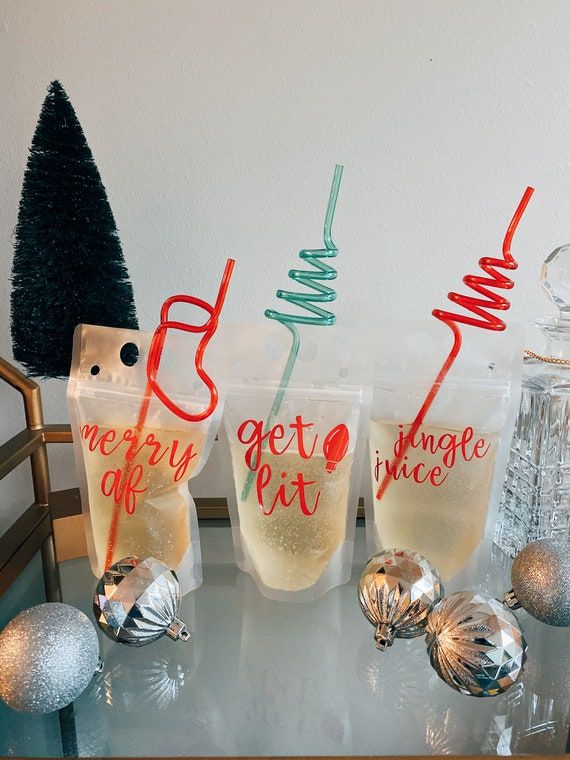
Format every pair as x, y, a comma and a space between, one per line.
307, 301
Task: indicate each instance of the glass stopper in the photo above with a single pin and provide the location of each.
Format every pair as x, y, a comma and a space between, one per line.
555, 279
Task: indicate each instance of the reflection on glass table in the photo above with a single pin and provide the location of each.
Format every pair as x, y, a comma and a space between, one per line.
260, 677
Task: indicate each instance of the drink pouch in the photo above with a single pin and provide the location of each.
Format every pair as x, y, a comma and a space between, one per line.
435, 501
133, 472
296, 471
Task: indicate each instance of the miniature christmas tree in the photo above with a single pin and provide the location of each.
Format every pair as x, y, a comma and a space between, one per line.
68, 264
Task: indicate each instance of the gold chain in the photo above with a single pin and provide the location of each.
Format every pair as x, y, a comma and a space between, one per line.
548, 359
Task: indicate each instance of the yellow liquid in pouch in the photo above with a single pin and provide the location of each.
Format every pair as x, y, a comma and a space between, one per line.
290, 549
444, 523
160, 524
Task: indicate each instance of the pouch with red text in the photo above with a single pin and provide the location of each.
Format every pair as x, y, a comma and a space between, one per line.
297, 461
134, 456
435, 500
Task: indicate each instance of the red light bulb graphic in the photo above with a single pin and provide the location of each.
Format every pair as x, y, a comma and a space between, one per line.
335, 446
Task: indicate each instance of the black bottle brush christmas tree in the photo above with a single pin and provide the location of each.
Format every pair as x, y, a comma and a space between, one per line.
68, 263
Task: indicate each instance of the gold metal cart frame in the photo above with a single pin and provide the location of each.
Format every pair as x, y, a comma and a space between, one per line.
32, 531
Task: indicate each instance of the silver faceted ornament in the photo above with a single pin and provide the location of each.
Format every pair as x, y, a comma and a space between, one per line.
48, 656
541, 581
475, 644
137, 601
396, 591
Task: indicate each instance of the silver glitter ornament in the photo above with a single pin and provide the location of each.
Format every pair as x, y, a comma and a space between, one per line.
396, 591
137, 601
48, 656
475, 644
541, 581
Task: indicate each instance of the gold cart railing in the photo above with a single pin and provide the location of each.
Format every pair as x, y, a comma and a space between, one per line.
33, 530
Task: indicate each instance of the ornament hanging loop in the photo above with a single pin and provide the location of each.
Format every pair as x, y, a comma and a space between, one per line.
510, 600
177, 630
384, 637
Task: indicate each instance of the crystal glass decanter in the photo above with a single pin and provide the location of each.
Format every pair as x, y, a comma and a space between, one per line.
535, 502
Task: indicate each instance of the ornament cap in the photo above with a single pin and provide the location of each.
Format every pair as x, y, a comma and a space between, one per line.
177, 630
384, 636
511, 601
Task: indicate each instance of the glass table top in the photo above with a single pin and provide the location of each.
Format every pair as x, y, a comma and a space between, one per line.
260, 677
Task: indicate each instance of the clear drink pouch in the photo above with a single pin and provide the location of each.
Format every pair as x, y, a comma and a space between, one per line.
436, 500
133, 477
296, 480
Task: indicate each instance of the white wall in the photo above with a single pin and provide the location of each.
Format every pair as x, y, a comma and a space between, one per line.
215, 125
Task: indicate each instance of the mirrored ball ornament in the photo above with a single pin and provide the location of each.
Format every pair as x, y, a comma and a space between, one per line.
396, 591
541, 581
48, 656
137, 601
475, 644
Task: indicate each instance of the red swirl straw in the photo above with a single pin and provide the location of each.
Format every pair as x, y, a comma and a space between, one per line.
208, 328
485, 320
153, 362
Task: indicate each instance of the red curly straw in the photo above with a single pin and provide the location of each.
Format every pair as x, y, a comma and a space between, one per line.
487, 321
156, 347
